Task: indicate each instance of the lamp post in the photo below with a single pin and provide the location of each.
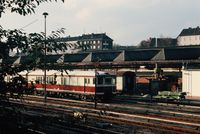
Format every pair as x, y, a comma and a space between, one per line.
45, 53
95, 92
96, 65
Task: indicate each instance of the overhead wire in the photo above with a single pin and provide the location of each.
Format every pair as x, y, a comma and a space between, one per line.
29, 24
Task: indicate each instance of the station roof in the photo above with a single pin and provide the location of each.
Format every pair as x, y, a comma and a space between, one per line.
124, 58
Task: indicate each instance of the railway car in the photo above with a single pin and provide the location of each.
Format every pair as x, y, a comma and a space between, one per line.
84, 84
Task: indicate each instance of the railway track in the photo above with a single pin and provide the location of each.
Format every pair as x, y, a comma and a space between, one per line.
131, 117
131, 99
173, 110
52, 120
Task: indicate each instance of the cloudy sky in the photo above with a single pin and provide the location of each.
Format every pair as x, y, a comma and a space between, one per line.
126, 21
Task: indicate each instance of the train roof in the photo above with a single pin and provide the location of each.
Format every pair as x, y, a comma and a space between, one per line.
40, 72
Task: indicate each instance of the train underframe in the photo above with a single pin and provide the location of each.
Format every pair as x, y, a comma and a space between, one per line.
77, 95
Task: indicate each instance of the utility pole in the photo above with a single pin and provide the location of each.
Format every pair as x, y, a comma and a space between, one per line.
45, 53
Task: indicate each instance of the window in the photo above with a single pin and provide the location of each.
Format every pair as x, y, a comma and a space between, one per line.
38, 80
180, 40
86, 80
108, 80
63, 81
94, 42
98, 41
100, 81
50, 80
94, 80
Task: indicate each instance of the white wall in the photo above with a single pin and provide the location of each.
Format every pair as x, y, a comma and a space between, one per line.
189, 40
119, 81
191, 82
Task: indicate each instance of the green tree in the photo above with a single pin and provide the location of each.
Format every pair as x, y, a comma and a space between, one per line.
23, 7
32, 45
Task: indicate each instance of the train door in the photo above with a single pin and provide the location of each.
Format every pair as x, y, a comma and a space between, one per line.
129, 80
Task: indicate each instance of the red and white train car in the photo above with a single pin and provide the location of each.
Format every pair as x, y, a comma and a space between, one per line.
81, 83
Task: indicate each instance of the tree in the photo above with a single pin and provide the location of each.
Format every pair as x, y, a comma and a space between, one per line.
32, 45
23, 7
144, 44
158, 42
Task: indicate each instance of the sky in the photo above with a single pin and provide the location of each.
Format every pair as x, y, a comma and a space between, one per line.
127, 22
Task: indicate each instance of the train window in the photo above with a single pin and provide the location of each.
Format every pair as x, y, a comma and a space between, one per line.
94, 81
65, 81
62, 81
85, 80
50, 80
108, 81
38, 80
47, 80
100, 81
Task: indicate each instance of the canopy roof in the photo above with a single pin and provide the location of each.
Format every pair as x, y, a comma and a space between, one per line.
122, 58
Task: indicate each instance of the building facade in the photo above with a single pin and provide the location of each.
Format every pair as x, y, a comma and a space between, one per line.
190, 36
191, 82
88, 42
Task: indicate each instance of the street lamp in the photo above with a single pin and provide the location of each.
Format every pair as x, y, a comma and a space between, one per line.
95, 92
45, 53
96, 65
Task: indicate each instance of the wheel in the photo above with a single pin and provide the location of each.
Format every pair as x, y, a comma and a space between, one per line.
82, 97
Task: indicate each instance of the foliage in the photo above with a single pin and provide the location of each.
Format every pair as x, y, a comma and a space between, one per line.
22, 7
31, 45
144, 44
36, 43
157, 42
11, 39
